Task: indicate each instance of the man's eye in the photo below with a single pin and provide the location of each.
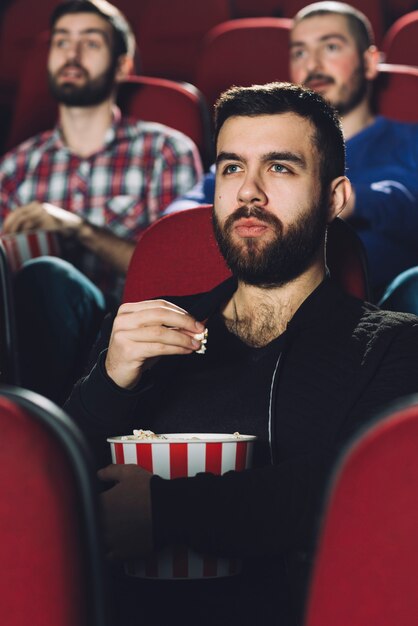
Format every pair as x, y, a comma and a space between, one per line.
297, 54
276, 167
92, 44
232, 169
333, 47
60, 43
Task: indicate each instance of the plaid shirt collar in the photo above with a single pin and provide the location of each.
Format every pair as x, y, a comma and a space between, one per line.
117, 132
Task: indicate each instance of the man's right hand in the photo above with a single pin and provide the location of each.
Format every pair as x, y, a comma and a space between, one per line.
144, 331
42, 215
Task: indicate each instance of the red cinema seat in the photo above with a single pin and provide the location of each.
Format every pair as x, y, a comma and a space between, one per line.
397, 8
178, 105
396, 92
170, 35
34, 110
366, 562
177, 255
400, 42
20, 25
261, 8
346, 259
243, 52
9, 368
51, 555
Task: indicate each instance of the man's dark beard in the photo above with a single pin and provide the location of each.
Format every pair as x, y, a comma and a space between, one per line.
279, 261
92, 92
359, 90
358, 94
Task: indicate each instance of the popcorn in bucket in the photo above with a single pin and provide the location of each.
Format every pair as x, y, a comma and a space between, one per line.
176, 456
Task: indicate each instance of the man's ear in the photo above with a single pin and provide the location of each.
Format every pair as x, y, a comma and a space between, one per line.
371, 58
124, 68
340, 191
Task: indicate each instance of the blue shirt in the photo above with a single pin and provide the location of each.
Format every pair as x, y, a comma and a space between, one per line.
382, 164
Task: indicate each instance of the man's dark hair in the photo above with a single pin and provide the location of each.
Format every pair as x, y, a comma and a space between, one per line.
276, 98
358, 24
123, 37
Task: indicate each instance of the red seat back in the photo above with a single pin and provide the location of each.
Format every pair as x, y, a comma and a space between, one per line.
396, 92
20, 25
346, 259
261, 8
170, 35
243, 52
178, 105
35, 110
400, 41
178, 255
9, 368
50, 554
367, 559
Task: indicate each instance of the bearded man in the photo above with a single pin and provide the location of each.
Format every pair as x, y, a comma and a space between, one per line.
97, 179
332, 51
289, 358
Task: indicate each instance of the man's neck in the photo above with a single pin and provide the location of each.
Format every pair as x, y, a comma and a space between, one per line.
357, 120
84, 128
259, 315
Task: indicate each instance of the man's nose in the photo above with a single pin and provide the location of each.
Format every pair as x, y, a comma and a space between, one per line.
252, 191
73, 50
313, 61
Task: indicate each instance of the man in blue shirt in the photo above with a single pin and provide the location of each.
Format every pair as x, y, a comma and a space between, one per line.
332, 52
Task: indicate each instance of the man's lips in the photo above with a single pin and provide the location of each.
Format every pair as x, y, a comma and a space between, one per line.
319, 83
73, 73
250, 227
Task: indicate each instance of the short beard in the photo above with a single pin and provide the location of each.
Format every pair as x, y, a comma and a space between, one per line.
281, 260
93, 92
358, 94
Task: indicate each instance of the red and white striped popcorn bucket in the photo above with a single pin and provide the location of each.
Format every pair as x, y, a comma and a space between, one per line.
176, 456
22, 247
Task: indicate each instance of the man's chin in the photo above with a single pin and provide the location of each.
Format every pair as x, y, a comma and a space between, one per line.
249, 250
71, 85
329, 94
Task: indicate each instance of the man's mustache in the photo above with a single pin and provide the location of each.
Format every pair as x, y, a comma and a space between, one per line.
72, 65
314, 76
247, 211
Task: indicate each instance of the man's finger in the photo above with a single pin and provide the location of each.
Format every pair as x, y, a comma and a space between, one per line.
129, 307
22, 218
111, 473
118, 472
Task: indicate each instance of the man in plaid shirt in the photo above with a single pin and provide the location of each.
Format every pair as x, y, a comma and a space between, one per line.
97, 179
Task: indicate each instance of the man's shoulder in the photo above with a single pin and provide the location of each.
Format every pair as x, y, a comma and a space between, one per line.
28, 146
385, 127
372, 325
397, 124
374, 316
340, 313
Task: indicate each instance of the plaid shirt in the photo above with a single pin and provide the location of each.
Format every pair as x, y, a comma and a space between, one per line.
124, 187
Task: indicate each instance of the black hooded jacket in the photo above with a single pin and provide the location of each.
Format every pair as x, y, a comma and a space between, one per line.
338, 363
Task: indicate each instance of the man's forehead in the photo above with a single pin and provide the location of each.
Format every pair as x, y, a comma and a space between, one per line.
288, 137
83, 22
320, 26
283, 127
